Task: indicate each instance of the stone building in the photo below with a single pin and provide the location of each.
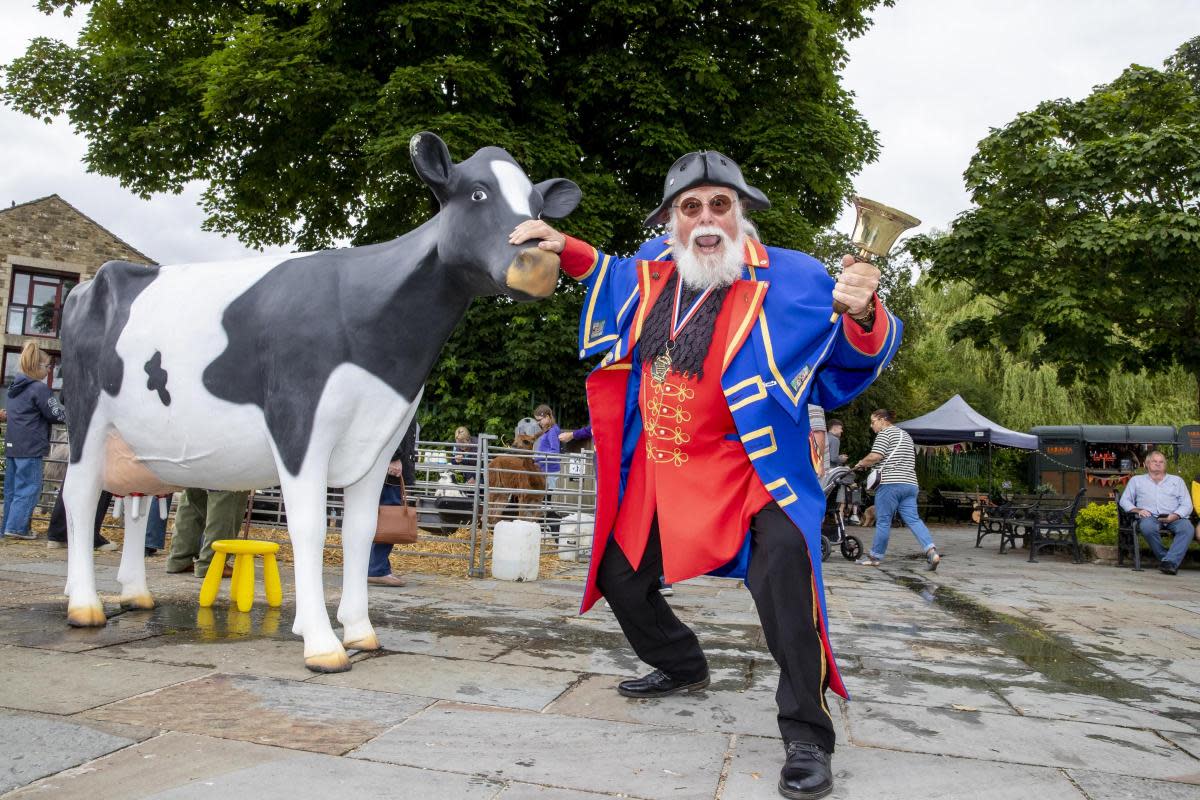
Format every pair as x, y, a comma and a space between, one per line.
47, 246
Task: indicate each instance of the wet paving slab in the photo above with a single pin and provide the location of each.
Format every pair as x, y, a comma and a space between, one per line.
580, 658
1022, 740
44, 626
302, 716
1106, 786
68, 683
37, 745
732, 703
638, 761
891, 687
1088, 708
181, 766
486, 683
862, 773
994, 676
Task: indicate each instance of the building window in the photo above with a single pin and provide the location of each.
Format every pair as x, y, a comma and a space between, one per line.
35, 303
12, 366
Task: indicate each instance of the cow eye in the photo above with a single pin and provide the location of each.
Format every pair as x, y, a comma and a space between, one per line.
479, 195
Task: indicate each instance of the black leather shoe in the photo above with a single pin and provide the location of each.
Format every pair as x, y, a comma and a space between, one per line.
806, 773
1167, 568
660, 684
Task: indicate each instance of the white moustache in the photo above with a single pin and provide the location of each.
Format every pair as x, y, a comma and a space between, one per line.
706, 230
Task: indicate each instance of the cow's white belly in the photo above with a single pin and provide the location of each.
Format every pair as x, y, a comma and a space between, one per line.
200, 440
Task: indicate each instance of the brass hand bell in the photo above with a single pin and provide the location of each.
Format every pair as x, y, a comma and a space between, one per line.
875, 231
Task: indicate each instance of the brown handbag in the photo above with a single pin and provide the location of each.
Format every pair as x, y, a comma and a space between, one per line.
397, 524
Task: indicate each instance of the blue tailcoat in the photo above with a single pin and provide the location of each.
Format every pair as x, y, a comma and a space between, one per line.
782, 353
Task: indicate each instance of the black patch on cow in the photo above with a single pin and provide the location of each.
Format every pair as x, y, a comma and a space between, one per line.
94, 316
157, 381
387, 308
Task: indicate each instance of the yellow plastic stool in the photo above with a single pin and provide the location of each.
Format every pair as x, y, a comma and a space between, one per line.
241, 586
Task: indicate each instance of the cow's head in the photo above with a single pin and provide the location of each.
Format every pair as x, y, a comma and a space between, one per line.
483, 199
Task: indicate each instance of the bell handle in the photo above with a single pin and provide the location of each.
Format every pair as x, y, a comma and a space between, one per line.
839, 307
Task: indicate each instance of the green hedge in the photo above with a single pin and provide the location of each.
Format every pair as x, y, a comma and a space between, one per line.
1097, 524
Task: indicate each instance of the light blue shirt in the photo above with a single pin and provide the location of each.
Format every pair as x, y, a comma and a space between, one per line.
1169, 496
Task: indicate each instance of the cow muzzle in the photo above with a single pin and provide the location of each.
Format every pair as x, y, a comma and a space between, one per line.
533, 272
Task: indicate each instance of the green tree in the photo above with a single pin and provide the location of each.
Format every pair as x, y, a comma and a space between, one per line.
1085, 233
297, 115
1003, 385
1187, 60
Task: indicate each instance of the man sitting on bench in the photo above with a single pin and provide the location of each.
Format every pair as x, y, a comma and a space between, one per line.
1160, 501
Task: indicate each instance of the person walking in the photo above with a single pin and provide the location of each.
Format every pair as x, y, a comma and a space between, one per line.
32, 409
896, 456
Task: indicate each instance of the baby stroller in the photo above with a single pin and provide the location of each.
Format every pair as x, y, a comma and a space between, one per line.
837, 480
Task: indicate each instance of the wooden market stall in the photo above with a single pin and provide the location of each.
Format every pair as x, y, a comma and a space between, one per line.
1099, 457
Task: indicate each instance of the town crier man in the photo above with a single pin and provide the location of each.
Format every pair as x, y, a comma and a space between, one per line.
714, 347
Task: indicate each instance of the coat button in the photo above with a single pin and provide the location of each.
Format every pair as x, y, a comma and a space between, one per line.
654, 275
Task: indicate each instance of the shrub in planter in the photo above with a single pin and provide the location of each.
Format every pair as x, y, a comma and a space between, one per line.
1097, 524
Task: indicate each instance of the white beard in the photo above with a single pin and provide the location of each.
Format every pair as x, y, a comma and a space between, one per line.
700, 271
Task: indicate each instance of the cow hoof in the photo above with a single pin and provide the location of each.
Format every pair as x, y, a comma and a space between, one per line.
141, 601
328, 662
90, 616
369, 642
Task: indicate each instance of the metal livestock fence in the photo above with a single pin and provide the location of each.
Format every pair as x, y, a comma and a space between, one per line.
461, 492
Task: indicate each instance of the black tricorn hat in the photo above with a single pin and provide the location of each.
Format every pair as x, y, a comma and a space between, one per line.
705, 168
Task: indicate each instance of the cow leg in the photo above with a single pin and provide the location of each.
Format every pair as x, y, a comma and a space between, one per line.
132, 573
304, 498
358, 531
81, 493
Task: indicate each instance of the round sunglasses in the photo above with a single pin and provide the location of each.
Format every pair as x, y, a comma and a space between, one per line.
692, 206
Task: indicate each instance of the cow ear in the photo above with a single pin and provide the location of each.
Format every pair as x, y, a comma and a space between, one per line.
559, 197
432, 159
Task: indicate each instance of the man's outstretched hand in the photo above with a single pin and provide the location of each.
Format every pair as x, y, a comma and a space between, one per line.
551, 239
855, 286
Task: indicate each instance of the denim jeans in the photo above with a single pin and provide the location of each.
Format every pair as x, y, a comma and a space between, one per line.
889, 498
380, 565
22, 485
1181, 528
156, 525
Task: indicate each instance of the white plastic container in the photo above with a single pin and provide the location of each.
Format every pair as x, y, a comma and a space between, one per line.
516, 546
575, 530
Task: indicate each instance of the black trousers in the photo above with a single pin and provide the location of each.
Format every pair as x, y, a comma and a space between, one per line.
57, 530
780, 581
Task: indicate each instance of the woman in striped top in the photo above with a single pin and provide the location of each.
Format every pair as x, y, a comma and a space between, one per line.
896, 454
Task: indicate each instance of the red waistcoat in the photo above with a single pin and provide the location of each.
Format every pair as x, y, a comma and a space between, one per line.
690, 468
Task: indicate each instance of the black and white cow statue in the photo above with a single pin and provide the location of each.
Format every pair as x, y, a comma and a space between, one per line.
300, 371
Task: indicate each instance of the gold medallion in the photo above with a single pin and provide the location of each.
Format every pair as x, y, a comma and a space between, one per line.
660, 367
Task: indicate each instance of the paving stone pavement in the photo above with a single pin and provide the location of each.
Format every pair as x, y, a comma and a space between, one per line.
991, 678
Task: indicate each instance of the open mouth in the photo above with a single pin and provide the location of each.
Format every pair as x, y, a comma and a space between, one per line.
707, 243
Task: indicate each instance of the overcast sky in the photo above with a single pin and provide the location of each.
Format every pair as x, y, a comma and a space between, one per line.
932, 76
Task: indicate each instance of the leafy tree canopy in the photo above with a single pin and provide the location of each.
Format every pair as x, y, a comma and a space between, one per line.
297, 115
1085, 235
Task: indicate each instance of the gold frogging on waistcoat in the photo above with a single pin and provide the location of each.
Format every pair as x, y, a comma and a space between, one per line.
666, 421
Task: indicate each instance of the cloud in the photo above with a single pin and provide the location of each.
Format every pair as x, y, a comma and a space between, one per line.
933, 76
